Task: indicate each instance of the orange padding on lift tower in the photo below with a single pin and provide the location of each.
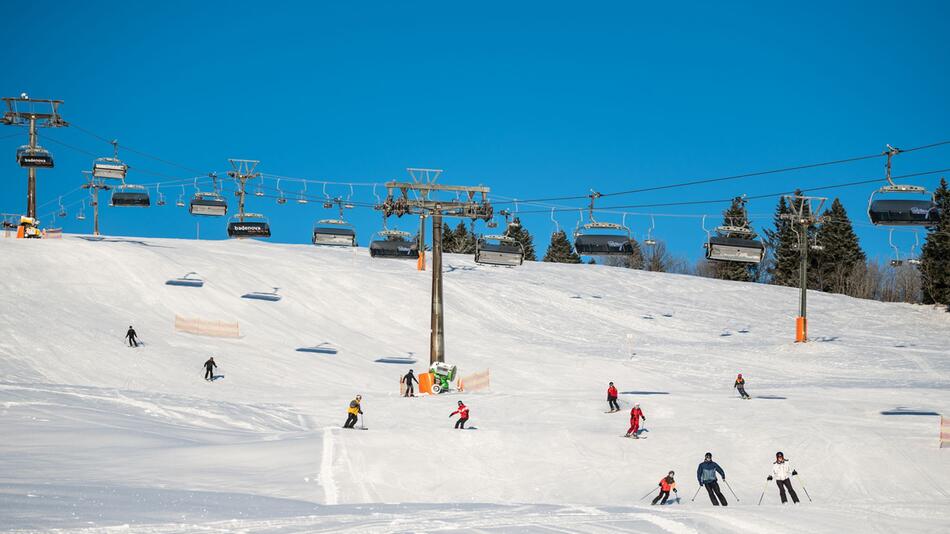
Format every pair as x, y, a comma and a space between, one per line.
421, 262
425, 383
801, 329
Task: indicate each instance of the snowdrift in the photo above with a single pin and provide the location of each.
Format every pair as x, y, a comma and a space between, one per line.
98, 434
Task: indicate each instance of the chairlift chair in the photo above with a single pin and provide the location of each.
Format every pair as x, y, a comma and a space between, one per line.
130, 196
109, 169
62, 209
394, 244
649, 241
601, 238
257, 226
281, 199
34, 157
81, 216
185, 281
892, 211
208, 204
733, 244
499, 250
334, 233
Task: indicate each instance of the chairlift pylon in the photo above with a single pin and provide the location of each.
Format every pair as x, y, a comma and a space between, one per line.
901, 211
601, 238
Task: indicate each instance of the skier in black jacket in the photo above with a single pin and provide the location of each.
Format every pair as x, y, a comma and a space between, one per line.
407, 380
209, 368
130, 335
706, 475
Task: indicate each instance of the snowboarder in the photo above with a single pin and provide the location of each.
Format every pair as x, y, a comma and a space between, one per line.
782, 472
209, 369
407, 380
667, 484
131, 336
706, 475
612, 398
635, 414
463, 415
740, 385
352, 412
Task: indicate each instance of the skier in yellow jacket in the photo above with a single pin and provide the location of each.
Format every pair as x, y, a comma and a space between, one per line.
352, 412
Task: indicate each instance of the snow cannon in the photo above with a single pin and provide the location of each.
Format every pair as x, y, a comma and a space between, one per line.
443, 374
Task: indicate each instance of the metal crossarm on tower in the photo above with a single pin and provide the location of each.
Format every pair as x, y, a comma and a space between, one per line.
22, 111
471, 202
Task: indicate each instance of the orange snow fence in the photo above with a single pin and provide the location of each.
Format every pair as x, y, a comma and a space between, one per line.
944, 432
202, 327
425, 383
475, 382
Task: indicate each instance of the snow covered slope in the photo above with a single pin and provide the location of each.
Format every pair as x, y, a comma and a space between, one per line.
96, 434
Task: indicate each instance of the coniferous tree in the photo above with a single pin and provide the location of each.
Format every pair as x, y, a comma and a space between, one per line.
560, 250
840, 253
935, 256
736, 216
520, 234
463, 241
448, 239
783, 246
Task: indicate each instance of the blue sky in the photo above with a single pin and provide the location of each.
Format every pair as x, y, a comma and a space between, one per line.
531, 99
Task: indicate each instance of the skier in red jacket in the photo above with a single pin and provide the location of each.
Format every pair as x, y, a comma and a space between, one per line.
635, 414
463, 415
612, 398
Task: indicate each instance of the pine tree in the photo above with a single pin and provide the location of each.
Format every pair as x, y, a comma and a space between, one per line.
840, 253
736, 216
463, 241
448, 239
560, 250
935, 256
520, 234
783, 246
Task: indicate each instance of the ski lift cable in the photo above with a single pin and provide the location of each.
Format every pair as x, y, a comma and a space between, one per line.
743, 175
133, 150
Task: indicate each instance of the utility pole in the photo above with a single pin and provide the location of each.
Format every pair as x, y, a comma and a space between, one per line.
242, 171
423, 184
94, 186
803, 214
15, 117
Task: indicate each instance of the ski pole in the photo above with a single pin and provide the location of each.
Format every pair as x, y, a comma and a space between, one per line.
803, 487
730, 490
648, 494
695, 494
763, 491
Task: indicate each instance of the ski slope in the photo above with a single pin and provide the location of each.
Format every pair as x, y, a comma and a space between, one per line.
100, 437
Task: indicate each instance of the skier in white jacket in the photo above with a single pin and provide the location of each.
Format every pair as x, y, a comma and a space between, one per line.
782, 472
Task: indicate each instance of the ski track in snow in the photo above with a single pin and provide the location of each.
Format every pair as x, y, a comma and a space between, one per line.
102, 438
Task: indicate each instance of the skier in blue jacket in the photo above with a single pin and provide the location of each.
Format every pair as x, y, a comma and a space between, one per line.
706, 475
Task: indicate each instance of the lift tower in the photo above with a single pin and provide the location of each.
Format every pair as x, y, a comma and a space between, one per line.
21, 111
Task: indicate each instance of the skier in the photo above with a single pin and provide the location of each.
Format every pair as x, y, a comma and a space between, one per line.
740, 385
209, 369
352, 412
612, 398
463, 415
781, 472
635, 414
667, 484
706, 474
407, 380
130, 335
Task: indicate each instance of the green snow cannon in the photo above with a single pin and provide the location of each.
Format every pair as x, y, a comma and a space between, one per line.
443, 374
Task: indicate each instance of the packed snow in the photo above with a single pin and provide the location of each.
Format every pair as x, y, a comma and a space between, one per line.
101, 437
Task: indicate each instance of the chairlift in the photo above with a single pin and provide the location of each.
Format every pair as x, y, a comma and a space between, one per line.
181, 198
110, 168
891, 211
62, 209
258, 295
649, 241
161, 196
301, 197
185, 281
281, 199
260, 188
34, 157
239, 226
130, 196
208, 204
601, 238
394, 244
914, 259
499, 250
733, 244
334, 233
81, 216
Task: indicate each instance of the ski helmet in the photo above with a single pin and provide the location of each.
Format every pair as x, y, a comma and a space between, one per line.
359, 397
636, 405
611, 383
460, 403
671, 473
779, 455
709, 456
